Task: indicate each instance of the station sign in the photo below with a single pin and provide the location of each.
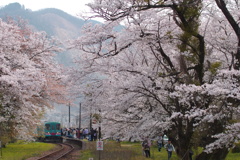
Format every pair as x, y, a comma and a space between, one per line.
100, 145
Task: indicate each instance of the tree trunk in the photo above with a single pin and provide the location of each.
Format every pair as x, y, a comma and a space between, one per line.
183, 147
219, 154
130, 139
183, 143
222, 5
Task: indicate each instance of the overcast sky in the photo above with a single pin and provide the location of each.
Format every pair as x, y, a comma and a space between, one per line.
72, 7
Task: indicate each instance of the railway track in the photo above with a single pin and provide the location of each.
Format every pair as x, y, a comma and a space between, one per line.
57, 155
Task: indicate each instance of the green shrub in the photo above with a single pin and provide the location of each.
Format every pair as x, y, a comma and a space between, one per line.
236, 149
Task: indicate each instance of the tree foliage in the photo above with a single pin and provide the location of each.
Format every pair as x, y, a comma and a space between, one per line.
172, 68
29, 78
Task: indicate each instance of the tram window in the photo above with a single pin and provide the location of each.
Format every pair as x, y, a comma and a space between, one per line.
53, 127
47, 126
58, 126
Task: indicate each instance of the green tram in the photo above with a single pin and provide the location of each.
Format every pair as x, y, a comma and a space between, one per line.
52, 131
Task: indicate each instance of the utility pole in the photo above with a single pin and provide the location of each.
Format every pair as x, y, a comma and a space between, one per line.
90, 125
90, 122
69, 115
80, 116
99, 127
99, 133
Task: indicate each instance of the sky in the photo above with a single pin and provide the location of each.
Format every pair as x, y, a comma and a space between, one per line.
72, 7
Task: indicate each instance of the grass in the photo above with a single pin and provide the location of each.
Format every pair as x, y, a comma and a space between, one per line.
22, 150
233, 156
131, 151
122, 151
112, 150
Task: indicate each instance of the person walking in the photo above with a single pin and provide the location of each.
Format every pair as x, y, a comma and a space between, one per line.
146, 147
160, 142
169, 147
190, 154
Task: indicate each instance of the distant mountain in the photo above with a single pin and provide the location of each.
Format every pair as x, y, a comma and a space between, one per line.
53, 21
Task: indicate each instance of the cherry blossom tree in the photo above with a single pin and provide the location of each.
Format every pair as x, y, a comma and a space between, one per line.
30, 78
172, 68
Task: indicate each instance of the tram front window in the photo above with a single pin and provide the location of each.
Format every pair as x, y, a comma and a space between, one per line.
47, 126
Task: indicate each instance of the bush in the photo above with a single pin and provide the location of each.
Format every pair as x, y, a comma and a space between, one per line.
4, 139
236, 149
